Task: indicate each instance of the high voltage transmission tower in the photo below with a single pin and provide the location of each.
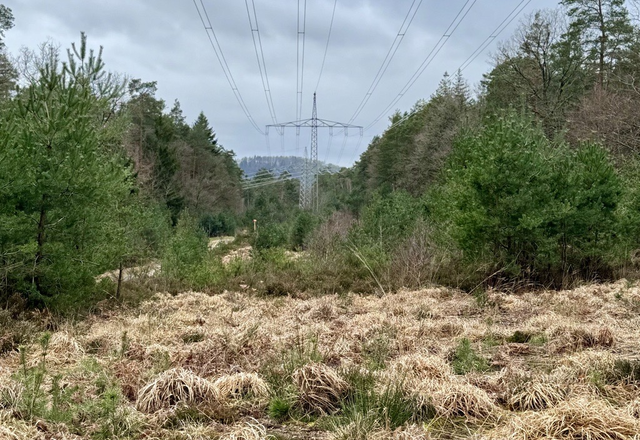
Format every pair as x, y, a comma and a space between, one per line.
309, 181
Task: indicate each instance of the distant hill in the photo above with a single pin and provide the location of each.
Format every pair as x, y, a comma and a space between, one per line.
279, 164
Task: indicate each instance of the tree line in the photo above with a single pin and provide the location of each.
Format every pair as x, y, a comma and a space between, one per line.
531, 179
95, 171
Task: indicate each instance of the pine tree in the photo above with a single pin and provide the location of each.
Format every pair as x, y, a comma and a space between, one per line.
60, 183
8, 74
6, 22
604, 29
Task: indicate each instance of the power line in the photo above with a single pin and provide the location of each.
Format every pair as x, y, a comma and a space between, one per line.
302, 20
474, 55
355, 151
326, 49
262, 65
398, 122
404, 27
273, 181
411, 14
326, 157
215, 44
458, 19
311, 172
268, 142
344, 144
497, 31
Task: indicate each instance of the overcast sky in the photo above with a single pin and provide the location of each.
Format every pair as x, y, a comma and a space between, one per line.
165, 41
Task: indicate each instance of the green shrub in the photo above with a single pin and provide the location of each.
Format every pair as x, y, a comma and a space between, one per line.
466, 360
186, 257
387, 220
186, 249
271, 236
279, 408
219, 224
520, 337
523, 207
301, 231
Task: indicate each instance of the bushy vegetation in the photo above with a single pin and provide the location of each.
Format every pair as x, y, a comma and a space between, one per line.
462, 190
301, 316
527, 208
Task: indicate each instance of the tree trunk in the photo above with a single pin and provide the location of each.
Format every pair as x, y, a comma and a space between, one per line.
41, 239
120, 270
603, 42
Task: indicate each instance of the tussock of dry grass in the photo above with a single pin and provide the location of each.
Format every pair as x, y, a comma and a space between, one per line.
456, 398
361, 427
580, 366
11, 429
579, 338
421, 367
320, 388
10, 393
581, 418
173, 387
250, 430
564, 375
536, 394
190, 432
409, 433
633, 408
63, 349
241, 385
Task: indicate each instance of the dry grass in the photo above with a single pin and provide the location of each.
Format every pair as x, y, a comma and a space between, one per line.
536, 394
422, 367
582, 418
250, 430
11, 429
581, 337
241, 385
633, 408
360, 428
320, 388
10, 393
173, 387
557, 380
408, 433
457, 398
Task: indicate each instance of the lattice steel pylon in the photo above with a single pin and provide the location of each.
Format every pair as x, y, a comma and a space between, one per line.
305, 190
309, 191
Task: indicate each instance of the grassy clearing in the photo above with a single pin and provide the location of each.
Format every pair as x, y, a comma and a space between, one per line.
432, 363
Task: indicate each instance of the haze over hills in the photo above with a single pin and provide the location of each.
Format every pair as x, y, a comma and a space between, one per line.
280, 164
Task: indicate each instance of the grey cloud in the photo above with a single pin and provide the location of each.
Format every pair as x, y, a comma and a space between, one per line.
163, 40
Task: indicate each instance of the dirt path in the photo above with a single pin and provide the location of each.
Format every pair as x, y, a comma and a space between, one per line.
130, 273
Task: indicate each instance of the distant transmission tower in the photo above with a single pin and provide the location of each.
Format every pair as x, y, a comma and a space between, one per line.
305, 183
309, 192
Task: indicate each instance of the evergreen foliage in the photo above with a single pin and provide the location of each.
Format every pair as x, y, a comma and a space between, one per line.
60, 182
527, 207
